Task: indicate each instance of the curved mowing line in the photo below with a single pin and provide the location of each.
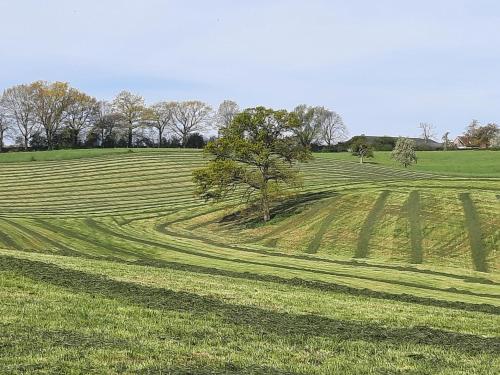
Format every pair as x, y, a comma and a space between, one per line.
164, 229
415, 227
7, 241
370, 221
36, 235
182, 249
325, 224
478, 250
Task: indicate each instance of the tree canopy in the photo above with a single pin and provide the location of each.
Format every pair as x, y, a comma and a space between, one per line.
404, 152
256, 152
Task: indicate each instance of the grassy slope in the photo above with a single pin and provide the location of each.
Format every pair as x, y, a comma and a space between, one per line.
15, 157
110, 264
480, 163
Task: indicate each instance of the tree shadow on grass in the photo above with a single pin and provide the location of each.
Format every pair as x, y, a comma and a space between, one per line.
251, 216
291, 327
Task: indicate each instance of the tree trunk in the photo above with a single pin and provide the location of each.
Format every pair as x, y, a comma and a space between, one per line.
1, 140
265, 199
26, 142
49, 139
75, 138
160, 133
265, 208
129, 144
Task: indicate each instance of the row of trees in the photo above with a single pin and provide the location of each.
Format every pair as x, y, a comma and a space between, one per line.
56, 115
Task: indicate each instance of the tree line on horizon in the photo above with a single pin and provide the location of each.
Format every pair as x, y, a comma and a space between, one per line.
50, 115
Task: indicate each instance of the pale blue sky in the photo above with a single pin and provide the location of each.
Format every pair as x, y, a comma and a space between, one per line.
383, 65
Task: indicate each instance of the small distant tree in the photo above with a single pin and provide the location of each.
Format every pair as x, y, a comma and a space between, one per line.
255, 152
428, 131
362, 149
446, 141
404, 152
131, 109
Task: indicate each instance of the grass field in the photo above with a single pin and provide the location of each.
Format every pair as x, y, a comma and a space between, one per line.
109, 264
467, 163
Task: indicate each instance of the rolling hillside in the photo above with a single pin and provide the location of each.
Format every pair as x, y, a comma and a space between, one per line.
110, 262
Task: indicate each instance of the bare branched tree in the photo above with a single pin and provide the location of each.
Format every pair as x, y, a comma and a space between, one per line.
161, 117
446, 141
226, 113
190, 117
106, 123
4, 127
332, 127
428, 131
17, 104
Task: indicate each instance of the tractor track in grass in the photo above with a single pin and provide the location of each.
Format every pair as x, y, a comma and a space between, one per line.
473, 226
413, 206
323, 228
290, 327
163, 228
373, 216
221, 257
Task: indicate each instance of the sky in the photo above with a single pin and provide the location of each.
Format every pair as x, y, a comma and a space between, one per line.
384, 65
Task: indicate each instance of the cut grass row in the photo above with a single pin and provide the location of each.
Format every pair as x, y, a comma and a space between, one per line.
178, 311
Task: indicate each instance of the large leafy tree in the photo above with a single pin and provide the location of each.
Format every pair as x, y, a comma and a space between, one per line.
131, 109
82, 112
256, 152
404, 152
309, 128
481, 136
51, 101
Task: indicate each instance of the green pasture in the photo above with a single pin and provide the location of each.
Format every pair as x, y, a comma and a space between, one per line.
467, 163
110, 264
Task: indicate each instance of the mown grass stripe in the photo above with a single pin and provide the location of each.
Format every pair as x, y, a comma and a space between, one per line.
287, 325
318, 237
220, 256
368, 226
413, 206
472, 223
